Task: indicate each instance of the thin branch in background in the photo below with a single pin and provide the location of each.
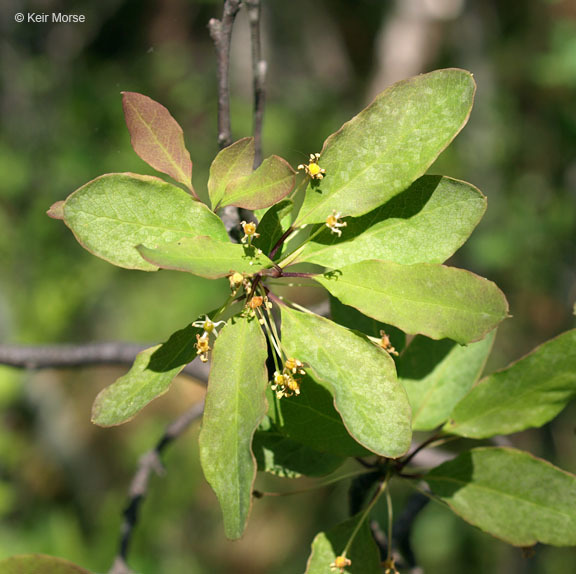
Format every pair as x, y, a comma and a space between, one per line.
221, 33
150, 462
402, 529
258, 76
83, 355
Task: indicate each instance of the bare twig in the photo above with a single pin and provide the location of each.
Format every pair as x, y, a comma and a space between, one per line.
221, 33
258, 76
82, 355
150, 462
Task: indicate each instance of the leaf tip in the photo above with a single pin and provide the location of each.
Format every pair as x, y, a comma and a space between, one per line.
56, 210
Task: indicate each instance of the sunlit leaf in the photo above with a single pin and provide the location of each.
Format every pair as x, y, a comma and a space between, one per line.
39, 564
390, 144
426, 223
529, 393
114, 213
235, 405
149, 377
271, 182
277, 454
370, 400
363, 553
206, 257
437, 374
509, 494
232, 163
432, 300
157, 137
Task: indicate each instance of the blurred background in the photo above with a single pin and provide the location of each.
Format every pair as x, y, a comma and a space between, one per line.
63, 481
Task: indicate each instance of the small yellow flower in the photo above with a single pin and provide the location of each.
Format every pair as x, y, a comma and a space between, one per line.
255, 302
202, 347
295, 366
208, 325
249, 229
386, 344
236, 280
390, 567
312, 168
333, 223
340, 563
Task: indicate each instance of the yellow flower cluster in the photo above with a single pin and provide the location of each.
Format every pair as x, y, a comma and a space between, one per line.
284, 383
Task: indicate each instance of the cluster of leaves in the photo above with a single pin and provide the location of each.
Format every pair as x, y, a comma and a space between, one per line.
352, 394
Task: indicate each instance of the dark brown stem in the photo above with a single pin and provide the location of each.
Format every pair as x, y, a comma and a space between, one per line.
221, 33
426, 443
280, 242
150, 462
83, 355
258, 76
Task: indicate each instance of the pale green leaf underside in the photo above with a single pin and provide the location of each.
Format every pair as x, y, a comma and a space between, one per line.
235, 405
114, 213
426, 223
206, 257
390, 144
437, 374
509, 494
149, 377
39, 564
270, 183
157, 137
433, 300
282, 456
363, 553
233, 162
527, 394
370, 400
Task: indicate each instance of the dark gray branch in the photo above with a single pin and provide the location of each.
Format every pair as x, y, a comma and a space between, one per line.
150, 462
258, 76
221, 33
83, 355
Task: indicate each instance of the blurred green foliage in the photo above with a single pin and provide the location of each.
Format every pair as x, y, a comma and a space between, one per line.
63, 481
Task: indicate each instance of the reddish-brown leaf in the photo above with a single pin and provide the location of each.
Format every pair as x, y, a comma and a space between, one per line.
157, 137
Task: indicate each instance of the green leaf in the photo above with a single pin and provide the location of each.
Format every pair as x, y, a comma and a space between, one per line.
232, 163
114, 213
509, 494
437, 374
529, 393
424, 298
270, 183
235, 405
272, 226
149, 377
312, 420
206, 257
352, 318
157, 137
390, 144
39, 564
426, 223
277, 454
371, 402
363, 553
